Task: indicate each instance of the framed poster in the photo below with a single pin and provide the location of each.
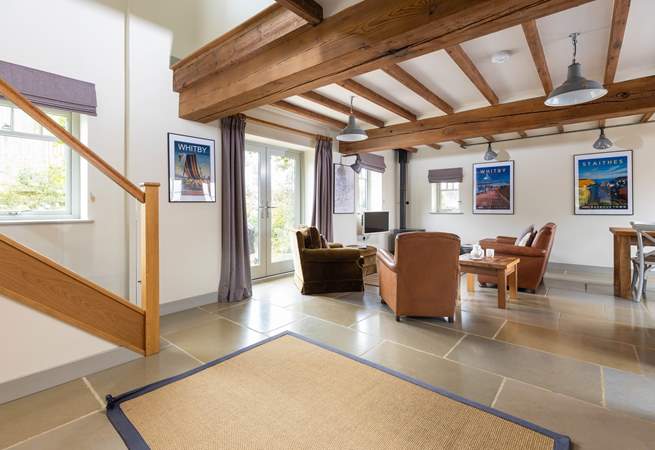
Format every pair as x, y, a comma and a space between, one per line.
191, 169
493, 188
603, 183
344, 189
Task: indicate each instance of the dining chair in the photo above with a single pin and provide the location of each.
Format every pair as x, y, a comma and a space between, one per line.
644, 261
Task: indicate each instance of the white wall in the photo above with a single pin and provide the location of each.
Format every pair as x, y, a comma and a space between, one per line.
544, 192
123, 46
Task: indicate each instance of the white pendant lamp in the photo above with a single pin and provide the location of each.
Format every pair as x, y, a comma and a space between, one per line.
576, 89
352, 133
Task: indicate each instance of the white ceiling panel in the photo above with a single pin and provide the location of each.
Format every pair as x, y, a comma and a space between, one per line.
514, 79
393, 90
439, 73
337, 93
593, 21
581, 126
542, 131
638, 52
623, 120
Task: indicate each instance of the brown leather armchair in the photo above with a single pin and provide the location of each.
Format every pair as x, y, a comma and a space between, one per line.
534, 259
422, 279
321, 267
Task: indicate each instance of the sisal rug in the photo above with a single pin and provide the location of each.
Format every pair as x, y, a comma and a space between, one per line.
288, 392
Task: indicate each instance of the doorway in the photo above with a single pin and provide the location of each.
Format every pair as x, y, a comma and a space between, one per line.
273, 206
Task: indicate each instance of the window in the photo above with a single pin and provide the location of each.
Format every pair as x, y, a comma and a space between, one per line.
445, 198
39, 175
369, 191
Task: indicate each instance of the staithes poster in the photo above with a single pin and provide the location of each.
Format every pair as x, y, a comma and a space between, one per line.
603, 183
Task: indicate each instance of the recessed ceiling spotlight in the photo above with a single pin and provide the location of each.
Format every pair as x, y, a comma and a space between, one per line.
501, 56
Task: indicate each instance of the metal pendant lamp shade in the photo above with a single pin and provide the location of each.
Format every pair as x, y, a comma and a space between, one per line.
603, 142
576, 89
352, 133
490, 154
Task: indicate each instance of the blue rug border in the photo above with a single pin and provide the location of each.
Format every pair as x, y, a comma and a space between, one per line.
135, 441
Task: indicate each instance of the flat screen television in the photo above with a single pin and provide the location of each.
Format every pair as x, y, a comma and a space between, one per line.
375, 221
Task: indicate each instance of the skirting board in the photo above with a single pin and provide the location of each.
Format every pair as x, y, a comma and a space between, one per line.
30, 384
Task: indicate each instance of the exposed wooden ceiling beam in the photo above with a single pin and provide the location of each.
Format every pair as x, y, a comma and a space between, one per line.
460, 57
235, 45
434, 146
410, 149
646, 117
366, 36
372, 96
340, 107
309, 10
407, 80
623, 99
266, 123
290, 107
531, 33
459, 142
523, 134
619, 21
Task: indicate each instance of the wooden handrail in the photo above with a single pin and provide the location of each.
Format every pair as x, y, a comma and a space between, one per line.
44, 120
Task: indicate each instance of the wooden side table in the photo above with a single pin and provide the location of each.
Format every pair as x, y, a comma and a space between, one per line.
369, 259
503, 268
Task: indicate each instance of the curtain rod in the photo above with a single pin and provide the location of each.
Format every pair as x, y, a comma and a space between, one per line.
555, 134
250, 119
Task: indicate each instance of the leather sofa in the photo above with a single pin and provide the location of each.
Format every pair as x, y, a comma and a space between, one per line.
422, 277
321, 267
534, 258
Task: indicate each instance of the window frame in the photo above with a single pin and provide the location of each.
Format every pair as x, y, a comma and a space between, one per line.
73, 169
436, 190
368, 195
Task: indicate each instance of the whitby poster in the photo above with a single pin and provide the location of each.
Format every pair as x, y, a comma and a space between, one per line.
191, 169
493, 188
603, 183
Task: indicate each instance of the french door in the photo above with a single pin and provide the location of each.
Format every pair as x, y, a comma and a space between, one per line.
274, 206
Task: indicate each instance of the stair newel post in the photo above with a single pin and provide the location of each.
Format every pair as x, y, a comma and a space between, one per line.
150, 266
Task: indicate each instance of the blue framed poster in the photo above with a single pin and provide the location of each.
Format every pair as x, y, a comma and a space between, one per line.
493, 188
191, 169
603, 183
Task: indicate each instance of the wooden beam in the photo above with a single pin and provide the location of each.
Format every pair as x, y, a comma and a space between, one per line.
646, 117
531, 33
459, 142
410, 149
376, 98
286, 106
407, 80
623, 99
366, 36
523, 134
309, 10
266, 123
149, 260
235, 45
619, 21
460, 57
489, 138
340, 107
434, 146
537, 50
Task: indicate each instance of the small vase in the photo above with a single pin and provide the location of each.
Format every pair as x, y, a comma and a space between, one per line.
477, 252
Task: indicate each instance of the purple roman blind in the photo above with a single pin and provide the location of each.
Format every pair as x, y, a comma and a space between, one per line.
51, 90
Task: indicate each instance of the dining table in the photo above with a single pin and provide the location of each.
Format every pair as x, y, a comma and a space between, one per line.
624, 239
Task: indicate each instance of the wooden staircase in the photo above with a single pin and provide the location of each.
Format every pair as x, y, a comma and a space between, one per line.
40, 283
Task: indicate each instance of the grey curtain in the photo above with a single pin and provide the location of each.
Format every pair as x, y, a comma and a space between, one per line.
322, 211
235, 283
48, 89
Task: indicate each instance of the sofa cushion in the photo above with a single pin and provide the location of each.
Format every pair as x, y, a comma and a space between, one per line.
524, 236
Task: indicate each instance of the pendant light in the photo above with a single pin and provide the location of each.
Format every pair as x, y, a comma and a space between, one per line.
352, 133
602, 143
490, 154
576, 89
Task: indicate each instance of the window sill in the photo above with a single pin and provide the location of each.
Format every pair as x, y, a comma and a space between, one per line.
45, 221
446, 212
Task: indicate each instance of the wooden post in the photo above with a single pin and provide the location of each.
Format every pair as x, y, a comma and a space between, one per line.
150, 266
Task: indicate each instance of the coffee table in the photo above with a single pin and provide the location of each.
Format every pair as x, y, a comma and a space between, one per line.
503, 268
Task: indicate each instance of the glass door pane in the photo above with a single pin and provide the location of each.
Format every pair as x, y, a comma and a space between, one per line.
284, 206
255, 209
